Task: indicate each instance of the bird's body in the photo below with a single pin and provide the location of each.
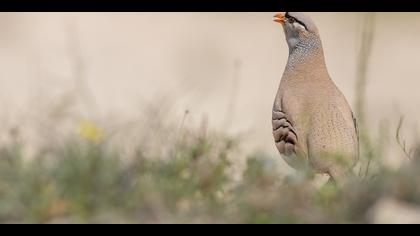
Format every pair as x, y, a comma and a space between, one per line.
313, 125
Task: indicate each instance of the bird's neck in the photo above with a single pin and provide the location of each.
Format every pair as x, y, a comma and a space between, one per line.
306, 57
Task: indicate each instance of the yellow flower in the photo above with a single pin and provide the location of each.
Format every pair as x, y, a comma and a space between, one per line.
90, 131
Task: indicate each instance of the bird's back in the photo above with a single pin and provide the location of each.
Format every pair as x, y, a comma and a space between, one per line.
332, 138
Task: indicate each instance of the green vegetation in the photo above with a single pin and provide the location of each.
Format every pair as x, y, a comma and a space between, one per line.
83, 181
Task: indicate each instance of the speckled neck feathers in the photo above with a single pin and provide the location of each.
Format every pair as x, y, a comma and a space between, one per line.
307, 55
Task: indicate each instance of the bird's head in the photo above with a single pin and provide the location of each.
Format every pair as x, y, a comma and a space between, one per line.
298, 28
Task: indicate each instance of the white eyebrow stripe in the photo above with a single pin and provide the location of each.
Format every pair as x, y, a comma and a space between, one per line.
296, 24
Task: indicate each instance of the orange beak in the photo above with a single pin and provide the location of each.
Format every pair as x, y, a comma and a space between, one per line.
280, 18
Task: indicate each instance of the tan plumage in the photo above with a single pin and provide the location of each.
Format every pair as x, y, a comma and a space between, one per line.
313, 125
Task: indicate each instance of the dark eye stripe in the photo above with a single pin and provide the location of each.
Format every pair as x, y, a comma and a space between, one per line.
298, 21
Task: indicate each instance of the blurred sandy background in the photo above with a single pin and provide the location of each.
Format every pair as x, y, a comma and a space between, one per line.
222, 67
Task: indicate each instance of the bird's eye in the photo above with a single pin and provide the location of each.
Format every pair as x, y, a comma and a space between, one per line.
297, 23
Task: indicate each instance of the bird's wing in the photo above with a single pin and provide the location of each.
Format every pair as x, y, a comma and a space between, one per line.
284, 133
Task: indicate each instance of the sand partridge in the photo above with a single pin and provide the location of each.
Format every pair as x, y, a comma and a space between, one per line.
313, 125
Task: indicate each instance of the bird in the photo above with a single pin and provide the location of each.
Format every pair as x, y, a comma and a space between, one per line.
314, 127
